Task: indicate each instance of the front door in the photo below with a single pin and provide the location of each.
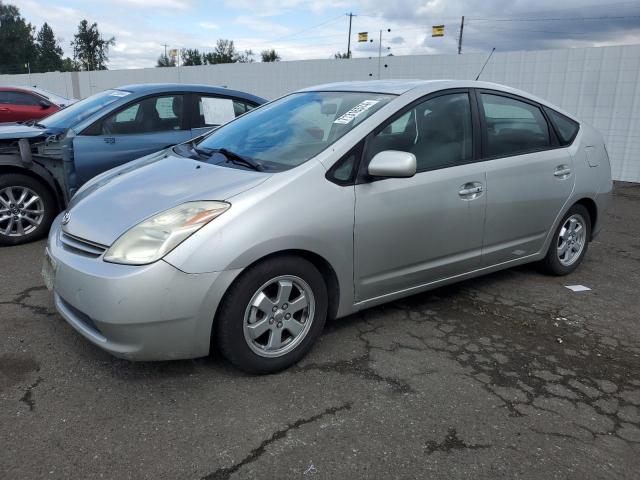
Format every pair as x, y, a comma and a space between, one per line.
413, 231
529, 179
138, 129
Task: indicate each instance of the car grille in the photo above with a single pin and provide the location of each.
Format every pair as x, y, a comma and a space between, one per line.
81, 246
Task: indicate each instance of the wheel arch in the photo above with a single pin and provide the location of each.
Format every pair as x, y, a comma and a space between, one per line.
42, 177
592, 208
324, 267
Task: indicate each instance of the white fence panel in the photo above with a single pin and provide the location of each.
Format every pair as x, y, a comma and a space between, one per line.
598, 84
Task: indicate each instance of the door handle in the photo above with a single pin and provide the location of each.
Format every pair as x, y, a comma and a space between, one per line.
562, 171
471, 190
4, 109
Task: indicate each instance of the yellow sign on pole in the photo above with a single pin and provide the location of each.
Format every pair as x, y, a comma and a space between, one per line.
173, 52
437, 31
363, 36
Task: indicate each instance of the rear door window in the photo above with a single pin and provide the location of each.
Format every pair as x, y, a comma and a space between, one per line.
214, 111
513, 127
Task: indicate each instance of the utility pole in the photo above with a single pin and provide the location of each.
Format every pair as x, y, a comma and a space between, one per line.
379, 54
460, 37
165, 48
350, 15
380, 51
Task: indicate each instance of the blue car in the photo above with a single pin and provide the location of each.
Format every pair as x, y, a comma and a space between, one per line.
43, 163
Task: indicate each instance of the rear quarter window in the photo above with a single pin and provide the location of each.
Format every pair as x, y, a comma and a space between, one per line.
566, 128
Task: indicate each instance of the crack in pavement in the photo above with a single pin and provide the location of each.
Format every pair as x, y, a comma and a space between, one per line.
21, 297
226, 472
360, 366
28, 394
451, 442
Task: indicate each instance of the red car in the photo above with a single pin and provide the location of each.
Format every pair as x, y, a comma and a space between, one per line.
19, 105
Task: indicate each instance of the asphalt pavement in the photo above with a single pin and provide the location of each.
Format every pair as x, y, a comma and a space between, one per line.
511, 376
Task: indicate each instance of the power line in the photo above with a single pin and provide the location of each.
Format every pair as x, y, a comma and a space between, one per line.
631, 4
557, 19
307, 29
501, 29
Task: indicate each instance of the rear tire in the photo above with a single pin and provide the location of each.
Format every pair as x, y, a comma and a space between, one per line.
569, 243
272, 315
27, 209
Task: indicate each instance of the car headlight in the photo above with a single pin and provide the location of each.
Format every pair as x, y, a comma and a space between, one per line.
153, 238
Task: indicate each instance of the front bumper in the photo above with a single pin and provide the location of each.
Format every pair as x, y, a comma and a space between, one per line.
150, 312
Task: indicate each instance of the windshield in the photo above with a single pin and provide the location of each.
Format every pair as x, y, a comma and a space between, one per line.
290, 131
79, 111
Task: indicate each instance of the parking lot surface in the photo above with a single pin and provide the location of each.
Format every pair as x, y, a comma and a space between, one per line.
511, 375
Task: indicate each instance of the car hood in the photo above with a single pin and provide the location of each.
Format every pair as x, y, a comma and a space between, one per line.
120, 199
9, 131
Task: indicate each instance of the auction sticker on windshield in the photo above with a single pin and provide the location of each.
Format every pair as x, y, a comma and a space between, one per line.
355, 111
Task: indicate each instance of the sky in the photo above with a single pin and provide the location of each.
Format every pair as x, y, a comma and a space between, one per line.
310, 29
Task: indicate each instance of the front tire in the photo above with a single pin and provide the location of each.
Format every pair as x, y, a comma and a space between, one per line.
570, 242
27, 209
272, 315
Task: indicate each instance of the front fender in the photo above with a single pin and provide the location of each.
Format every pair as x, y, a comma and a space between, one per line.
52, 175
295, 210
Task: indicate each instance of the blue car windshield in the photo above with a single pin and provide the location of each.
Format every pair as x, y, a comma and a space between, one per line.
79, 111
289, 131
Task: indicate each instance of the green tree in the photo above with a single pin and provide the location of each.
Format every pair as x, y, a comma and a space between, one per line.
225, 52
191, 57
342, 55
49, 51
270, 56
165, 61
245, 57
90, 50
17, 44
69, 65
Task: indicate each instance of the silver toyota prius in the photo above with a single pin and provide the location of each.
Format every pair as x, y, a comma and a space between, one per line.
324, 202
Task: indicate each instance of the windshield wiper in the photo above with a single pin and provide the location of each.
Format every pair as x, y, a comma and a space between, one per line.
203, 152
239, 159
230, 156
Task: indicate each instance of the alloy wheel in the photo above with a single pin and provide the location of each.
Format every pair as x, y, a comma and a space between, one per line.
571, 239
279, 316
21, 211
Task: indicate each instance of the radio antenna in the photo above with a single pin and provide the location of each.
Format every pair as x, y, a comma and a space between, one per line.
485, 63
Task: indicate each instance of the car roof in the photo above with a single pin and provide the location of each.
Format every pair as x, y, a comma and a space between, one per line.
11, 88
424, 87
151, 88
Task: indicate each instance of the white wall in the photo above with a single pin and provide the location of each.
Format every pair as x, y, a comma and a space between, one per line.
599, 84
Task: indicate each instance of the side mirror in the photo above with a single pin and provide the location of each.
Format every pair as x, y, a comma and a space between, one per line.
393, 163
44, 104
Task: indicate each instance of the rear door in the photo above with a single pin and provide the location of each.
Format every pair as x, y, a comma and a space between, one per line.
211, 111
141, 127
529, 176
413, 231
